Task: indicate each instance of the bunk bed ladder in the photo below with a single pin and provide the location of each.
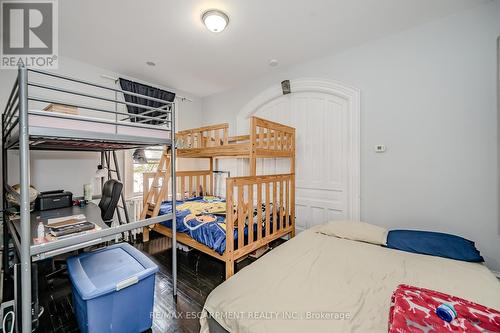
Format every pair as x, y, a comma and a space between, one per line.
157, 191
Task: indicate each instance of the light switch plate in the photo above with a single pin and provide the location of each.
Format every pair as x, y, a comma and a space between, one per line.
380, 148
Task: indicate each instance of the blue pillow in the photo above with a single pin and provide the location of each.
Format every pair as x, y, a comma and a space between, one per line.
434, 244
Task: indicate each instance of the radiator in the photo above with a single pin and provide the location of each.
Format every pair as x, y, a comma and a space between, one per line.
134, 208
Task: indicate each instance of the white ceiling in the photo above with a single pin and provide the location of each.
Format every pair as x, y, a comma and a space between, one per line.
121, 35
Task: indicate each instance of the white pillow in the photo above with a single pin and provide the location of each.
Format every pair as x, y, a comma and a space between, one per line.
354, 230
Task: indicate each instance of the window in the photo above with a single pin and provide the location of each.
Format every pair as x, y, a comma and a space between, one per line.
153, 155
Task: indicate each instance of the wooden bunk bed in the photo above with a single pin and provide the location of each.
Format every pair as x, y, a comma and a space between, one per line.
259, 207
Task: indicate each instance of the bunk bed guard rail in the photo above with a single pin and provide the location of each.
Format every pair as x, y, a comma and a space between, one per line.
95, 100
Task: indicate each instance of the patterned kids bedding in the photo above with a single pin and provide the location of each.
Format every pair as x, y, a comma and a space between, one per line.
203, 219
415, 309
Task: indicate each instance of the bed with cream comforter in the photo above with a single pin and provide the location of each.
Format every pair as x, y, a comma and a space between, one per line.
320, 283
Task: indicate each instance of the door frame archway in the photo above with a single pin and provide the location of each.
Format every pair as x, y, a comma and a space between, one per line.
353, 98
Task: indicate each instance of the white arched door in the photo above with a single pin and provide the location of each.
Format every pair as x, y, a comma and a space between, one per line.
326, 117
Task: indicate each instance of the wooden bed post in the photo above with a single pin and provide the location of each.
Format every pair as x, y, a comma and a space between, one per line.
145, 234
211, 177
253, 133
228, 254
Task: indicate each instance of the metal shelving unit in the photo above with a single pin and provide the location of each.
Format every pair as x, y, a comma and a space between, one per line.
17, 134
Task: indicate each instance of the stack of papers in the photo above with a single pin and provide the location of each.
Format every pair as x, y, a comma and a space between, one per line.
69, 225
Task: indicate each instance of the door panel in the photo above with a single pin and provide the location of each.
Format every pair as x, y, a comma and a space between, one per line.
322, 142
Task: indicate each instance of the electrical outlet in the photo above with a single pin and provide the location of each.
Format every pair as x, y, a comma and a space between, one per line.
380, 148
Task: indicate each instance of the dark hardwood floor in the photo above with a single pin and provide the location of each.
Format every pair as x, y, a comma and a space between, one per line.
198, 275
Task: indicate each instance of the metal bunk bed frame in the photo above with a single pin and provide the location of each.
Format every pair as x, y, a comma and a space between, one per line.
28, 137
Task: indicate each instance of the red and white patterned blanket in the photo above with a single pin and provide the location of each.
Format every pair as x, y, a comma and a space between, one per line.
414, 310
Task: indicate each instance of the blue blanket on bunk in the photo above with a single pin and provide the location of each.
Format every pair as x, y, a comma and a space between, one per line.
203, 219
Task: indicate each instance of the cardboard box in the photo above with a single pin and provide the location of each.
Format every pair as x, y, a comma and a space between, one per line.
60, 108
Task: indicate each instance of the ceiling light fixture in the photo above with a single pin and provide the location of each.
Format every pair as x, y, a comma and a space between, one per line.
215, 20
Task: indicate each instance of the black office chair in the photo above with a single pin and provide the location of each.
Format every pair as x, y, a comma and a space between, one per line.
111, 192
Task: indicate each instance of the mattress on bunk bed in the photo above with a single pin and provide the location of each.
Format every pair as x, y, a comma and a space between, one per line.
190, 214
320, 283
85, 123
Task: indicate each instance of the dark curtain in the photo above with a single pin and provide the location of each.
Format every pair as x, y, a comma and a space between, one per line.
143, 89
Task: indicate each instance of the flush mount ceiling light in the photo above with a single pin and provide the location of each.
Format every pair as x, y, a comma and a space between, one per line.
215, 20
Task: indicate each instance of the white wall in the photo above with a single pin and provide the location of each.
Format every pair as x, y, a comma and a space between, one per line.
429, 94
70, 170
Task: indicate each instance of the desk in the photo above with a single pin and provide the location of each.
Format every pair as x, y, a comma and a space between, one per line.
42, 251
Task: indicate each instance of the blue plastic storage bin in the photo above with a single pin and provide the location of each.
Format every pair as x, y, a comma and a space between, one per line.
113, 289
